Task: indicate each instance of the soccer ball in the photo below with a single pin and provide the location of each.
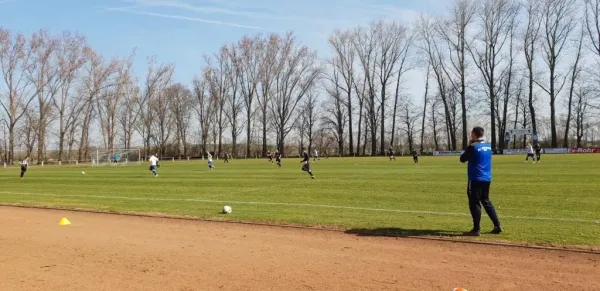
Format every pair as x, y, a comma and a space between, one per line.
83, 173
226, 209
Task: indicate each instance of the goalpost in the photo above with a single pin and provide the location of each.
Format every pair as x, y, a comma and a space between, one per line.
116, 157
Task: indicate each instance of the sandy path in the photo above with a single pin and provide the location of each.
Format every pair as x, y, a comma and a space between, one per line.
112, 252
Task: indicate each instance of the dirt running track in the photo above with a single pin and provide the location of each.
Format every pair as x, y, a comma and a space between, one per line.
113, 252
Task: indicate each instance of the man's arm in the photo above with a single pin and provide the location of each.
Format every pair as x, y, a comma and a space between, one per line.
466, 156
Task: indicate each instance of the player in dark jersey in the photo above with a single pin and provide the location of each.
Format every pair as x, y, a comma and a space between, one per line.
306, 166
538, 152
415, 157
391, 154
278, 158
226, 158
24, 165
270, 157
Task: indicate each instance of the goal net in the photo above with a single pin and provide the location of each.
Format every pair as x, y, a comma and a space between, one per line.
116, 157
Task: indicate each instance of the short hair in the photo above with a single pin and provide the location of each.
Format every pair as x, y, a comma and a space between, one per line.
478, 131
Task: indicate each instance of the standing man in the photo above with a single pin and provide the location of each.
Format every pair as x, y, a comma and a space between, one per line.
306, 166
153, 162
316, 156
269, 157
116, 159
479, 156
538, 152
24, 165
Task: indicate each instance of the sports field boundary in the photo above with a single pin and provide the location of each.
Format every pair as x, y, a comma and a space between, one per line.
575, 249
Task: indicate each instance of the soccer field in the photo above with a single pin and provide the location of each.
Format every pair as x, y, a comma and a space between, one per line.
556, 202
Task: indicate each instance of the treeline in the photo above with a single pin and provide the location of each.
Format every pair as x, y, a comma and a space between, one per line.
502, 64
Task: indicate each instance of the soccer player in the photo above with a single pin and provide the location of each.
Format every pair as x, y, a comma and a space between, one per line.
153, 162
316, 156
226, 160
116, 159
24, 165
278, 158
270, 157
391, 154
306, 166
479, 156
530, 153
210, 162
538, 152
415, 156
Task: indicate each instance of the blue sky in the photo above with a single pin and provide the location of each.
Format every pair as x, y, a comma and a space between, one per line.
181, 31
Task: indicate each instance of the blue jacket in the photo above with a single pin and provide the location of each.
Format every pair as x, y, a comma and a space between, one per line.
479, 156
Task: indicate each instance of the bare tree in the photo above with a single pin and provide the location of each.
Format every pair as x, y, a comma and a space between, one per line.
15, 57
158, 77
366, 45
181, 104
162, 119
394, 43
507, 85
404, 64
129, 112
270, 67
110, 101
235, 101
584, 98
204, 107
530, 41
296, 77
99, 78
575, 75
425, 102
335, 106
44, 73
592, 24
71, 58
249, 60
410, 117
558, 17
454, 32
342, 43
497, 19
220, 80
429, 46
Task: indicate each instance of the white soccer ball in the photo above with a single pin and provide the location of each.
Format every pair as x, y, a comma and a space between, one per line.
83, 173
226, 209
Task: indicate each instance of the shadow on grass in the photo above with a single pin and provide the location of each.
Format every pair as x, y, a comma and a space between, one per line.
402, 232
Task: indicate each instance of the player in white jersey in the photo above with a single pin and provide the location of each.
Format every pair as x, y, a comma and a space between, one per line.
530, 153
24, 165
316, 156
153, 161
210, 161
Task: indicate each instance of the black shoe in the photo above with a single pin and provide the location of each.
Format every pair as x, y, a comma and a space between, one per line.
473, 232
497, 230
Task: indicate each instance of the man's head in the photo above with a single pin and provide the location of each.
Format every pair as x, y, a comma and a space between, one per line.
477, 133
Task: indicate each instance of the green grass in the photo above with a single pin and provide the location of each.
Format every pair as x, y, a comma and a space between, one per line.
553, 203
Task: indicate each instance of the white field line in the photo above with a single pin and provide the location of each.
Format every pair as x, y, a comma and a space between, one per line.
293, 205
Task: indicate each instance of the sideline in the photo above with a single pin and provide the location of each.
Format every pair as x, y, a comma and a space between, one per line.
314, 228
574, 220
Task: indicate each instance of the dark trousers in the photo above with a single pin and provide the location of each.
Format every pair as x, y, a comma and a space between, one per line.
479, 194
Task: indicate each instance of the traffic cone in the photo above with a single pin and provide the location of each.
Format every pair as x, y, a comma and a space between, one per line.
64, 221
459, 289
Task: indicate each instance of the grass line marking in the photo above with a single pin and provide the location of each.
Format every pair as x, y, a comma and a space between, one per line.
295, 205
